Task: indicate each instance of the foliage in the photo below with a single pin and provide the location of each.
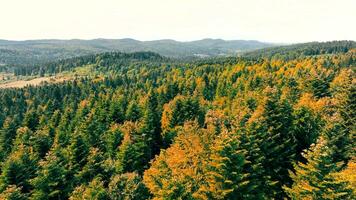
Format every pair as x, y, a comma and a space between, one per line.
141, 126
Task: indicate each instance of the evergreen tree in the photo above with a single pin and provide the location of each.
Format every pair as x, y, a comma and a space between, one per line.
94, 190
151, 125
134, 153
7, 135
94, 167
313, 180
133, 112
18, 169
128, 186
226, 179
273, 122
13, 193
51, 180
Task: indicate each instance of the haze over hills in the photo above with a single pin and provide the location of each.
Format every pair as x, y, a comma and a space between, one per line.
42, 51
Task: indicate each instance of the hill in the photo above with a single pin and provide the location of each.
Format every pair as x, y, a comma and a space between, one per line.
41, 51
303, 49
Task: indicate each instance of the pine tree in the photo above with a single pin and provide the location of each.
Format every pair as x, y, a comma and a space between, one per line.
179, 171
31, 120
134, 153
313, 180
13, 193
78, 151
178, 111
133, 112
151, 125
7, 135
51, 180
273, 123
113, 139
306, 129
258, 181
18, 169
94, 190
94, 167
226, 179
128, 186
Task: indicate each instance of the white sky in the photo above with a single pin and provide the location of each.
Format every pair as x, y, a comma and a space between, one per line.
266, 20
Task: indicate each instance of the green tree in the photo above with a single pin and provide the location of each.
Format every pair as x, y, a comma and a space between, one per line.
18, 169
51, 179
134, 153
133, 112
273, 123
7, 135
13, 193
94, 190
313, 180
127, 186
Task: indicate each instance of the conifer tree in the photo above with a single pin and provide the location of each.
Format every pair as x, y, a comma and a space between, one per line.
94, 190
7, 135
18, 169
226, 179
151, 125
179, 171
51, 181
272, 121
133, 112
128, 186
314, 180
113, 139
134, 153
94, 167
13, 193
306, 127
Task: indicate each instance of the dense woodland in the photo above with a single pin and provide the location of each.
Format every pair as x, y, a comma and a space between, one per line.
147, 127
41, 52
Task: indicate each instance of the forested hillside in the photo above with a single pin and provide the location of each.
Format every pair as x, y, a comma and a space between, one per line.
39, 52
143, 126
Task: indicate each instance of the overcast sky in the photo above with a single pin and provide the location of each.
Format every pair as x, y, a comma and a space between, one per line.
286, 21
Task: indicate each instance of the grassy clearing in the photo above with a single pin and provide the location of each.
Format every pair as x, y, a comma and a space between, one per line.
8, 80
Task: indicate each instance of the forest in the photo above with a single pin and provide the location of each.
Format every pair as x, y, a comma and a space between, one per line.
277, 123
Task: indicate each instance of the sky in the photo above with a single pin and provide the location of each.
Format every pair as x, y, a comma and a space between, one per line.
279, 21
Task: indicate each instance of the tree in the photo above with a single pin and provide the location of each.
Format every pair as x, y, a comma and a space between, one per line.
7, 135
18, 169
314, 179
78, 151
178, 111
95, 166
133, 112
273, 124
306, 129
134, 152
151, 124
13, 193
31, 120
94, 190
51, 179
127, 186
179, 171
225, 172
113, 139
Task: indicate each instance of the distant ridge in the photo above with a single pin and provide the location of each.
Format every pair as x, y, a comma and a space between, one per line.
303, 49
42, 51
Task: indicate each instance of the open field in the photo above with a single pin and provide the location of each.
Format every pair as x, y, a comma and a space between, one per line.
35, 81
8, 80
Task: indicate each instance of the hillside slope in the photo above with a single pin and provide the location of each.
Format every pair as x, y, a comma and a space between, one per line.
42, 51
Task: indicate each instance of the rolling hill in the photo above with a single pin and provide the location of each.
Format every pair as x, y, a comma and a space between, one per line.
42, 51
